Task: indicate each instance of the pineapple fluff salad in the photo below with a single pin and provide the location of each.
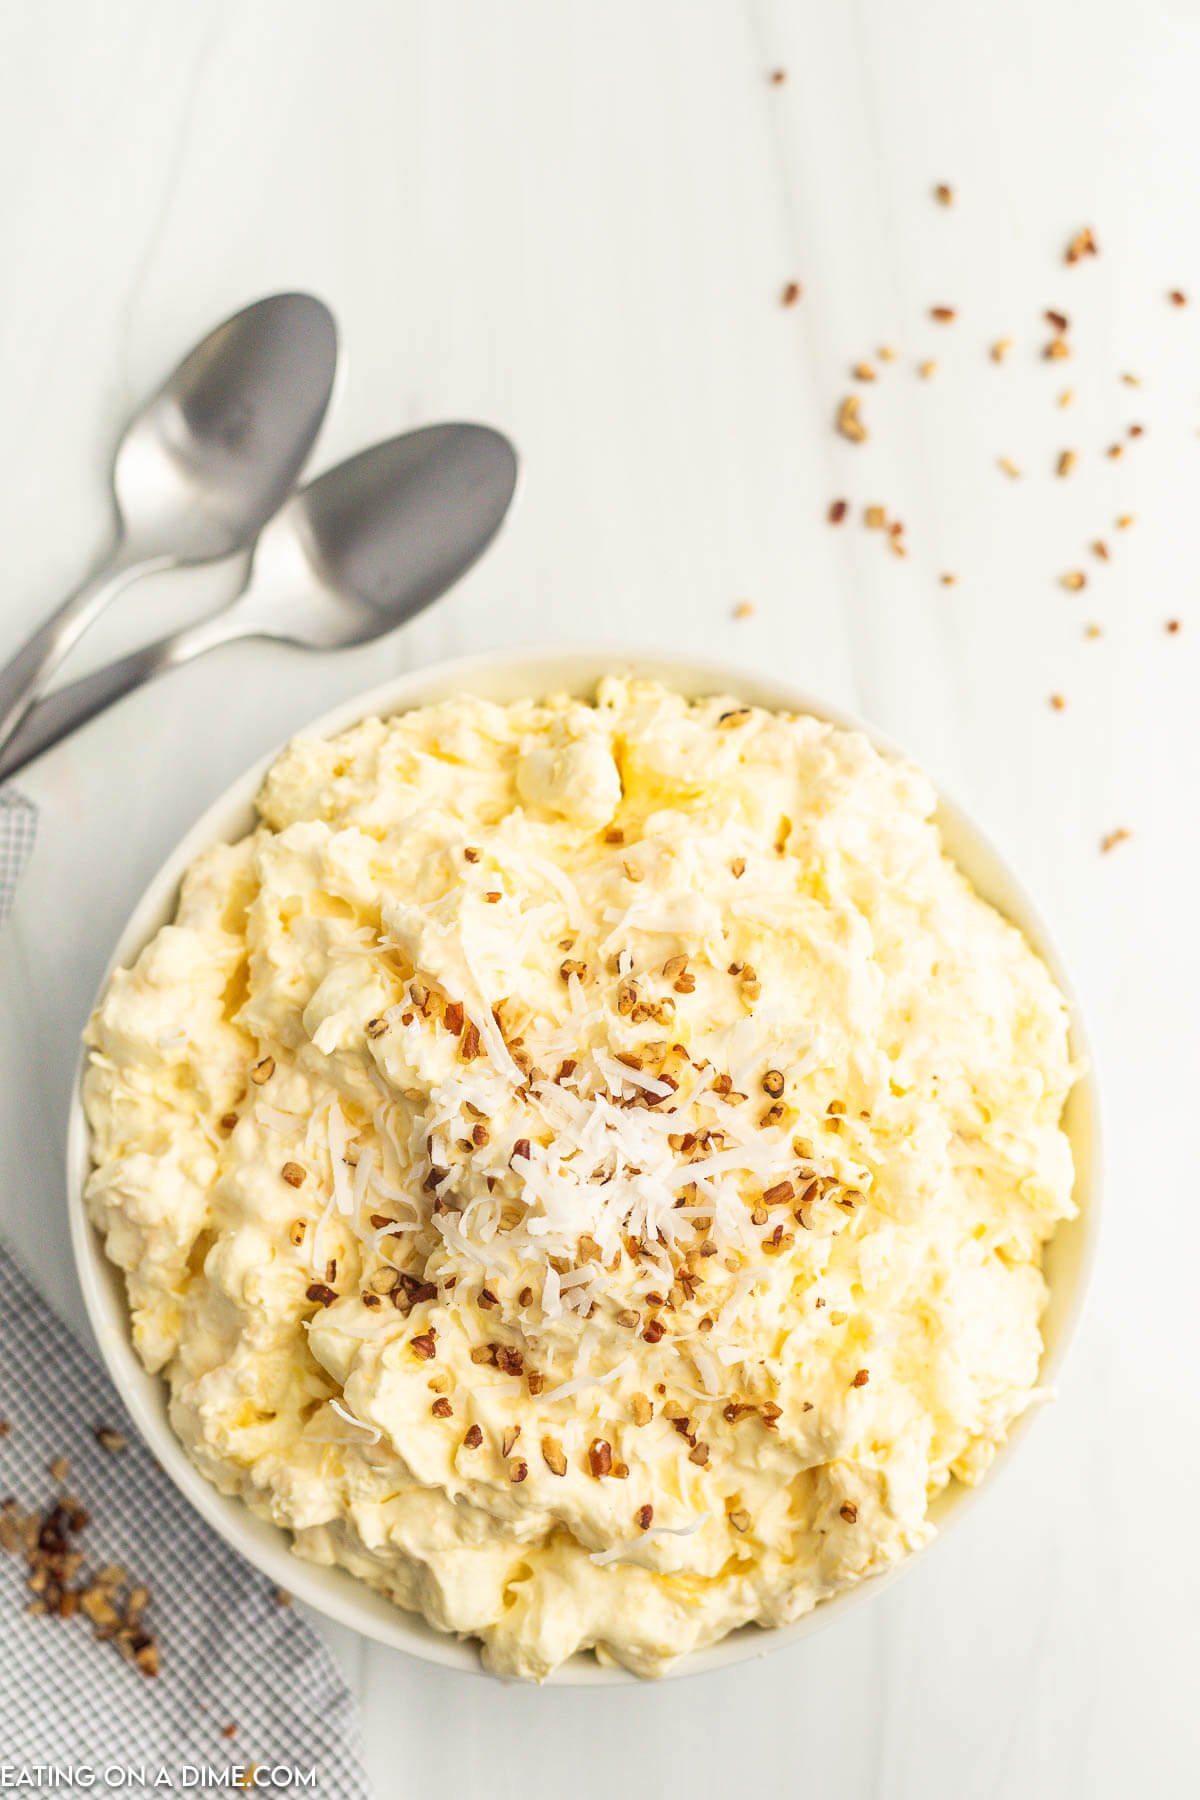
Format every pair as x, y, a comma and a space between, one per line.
583, 1167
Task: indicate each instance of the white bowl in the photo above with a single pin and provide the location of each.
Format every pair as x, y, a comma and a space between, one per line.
514, 675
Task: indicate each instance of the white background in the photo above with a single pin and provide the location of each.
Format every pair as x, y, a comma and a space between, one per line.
574, 221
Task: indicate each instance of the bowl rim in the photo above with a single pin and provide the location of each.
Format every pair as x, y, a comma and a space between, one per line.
532, 671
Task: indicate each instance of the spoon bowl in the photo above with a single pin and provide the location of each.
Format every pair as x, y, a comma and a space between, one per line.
375, 540
215, 452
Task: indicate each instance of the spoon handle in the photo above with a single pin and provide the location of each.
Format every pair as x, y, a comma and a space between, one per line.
25, 677
68, 708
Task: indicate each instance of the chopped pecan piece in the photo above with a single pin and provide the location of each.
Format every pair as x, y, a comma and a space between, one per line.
554, 1456
600, 1458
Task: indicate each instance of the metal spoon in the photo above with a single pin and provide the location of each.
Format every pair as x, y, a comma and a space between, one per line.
202, 467
363, 548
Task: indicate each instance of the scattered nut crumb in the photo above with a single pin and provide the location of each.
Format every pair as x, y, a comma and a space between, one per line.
744, 609
1066, 397
1009, 466
64, 1586
1000, 349
112, 1441
1058, 320
1173, 625
1082, 244
874, 517
1066, 462
777, 77
1100, 549
1125, 521
886, 354
849, 422
791, 293
1058, 702
1057, 350
1113, 838
948, 580
926, 370
1092, 631
944, 315
862, 371
1177, 297
943, 193
837, 511
1131, 380
1074, 579
848, 1511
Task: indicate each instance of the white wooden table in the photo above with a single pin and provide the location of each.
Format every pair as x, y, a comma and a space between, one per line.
575, 220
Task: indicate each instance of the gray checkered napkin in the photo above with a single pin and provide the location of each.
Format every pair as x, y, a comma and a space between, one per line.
229, 1653
18, 826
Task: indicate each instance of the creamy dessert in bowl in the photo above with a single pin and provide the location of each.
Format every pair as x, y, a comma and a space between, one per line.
583, 1166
